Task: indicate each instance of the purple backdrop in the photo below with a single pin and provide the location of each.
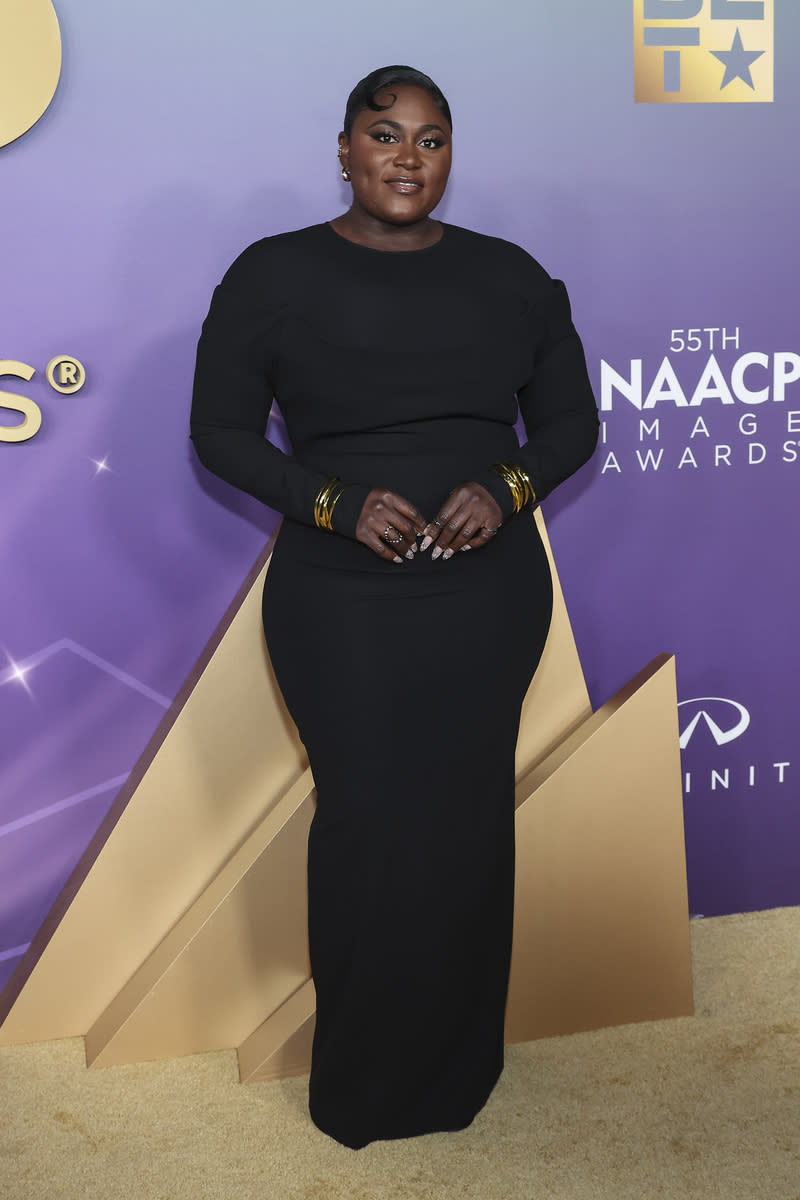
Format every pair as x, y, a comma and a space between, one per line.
179, 134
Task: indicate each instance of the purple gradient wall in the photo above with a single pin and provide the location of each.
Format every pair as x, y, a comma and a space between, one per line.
179, 134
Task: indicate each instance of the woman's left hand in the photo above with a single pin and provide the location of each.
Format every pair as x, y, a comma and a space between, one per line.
469, 518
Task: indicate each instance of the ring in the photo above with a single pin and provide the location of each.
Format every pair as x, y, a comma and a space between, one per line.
492, 531
438, 524
387, 535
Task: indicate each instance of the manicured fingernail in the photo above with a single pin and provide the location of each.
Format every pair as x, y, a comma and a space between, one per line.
410, 554
448, 554
397, 558
466, 547
436, 553
426, 541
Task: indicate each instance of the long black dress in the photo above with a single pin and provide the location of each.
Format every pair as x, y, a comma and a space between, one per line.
400, 370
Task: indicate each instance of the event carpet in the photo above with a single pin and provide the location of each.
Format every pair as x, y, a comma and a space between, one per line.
701, 1107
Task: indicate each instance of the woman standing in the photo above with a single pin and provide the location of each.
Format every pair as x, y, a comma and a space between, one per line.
398, 349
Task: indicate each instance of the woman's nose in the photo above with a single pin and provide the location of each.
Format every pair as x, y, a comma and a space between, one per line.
407, 155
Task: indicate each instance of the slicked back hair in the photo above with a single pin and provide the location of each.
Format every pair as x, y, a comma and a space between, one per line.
363, 94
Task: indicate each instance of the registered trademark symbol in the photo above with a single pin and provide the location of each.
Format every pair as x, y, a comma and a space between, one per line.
65, 374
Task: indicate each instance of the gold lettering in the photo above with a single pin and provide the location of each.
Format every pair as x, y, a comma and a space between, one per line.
21, 404
65, 374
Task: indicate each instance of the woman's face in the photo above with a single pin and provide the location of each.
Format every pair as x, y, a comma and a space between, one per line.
399, 159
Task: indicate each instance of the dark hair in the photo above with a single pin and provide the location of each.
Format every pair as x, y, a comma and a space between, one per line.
363, 94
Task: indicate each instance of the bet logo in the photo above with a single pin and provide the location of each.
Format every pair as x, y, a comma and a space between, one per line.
31, 42
703, 51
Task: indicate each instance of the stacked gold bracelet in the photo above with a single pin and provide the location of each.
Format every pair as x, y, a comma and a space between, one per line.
518, 482
326, 501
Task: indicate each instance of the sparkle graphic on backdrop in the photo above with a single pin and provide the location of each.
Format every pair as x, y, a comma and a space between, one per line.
16, 673
681, 54
56, 790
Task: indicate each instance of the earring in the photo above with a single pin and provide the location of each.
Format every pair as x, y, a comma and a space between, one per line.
346, 174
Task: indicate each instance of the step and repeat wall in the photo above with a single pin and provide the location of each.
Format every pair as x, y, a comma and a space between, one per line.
642, 152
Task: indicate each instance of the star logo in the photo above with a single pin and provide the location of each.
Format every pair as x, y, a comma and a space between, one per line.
737, 62
704, 51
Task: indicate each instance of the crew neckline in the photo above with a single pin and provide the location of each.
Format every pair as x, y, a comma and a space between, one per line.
392, 253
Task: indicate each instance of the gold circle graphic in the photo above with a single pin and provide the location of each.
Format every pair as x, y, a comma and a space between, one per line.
31, 41
65, 374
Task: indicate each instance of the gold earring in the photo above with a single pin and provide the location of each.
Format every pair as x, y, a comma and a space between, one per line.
346, 174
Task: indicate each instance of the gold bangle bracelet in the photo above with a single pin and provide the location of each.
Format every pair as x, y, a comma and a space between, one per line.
519, 483
322, 501
331, 505
327, 498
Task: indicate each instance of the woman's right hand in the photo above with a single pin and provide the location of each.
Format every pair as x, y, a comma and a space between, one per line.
389, 525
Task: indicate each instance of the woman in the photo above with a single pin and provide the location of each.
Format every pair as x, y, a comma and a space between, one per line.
398, 349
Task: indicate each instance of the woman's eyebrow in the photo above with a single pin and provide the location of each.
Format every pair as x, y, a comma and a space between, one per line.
397, 125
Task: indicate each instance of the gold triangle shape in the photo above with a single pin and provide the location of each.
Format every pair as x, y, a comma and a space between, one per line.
188, 931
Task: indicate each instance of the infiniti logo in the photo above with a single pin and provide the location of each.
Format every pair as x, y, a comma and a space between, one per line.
728, 722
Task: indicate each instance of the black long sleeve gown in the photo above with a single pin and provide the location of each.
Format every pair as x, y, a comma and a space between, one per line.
401, 370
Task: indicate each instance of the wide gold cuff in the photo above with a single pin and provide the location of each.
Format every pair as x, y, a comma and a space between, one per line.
519, 483
326, 501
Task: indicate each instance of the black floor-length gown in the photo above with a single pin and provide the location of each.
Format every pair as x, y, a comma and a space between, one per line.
400, 370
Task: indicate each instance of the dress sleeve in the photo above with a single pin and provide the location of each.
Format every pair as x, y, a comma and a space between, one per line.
557, 405
233, 394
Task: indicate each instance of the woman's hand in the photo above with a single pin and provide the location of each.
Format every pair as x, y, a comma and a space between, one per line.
389, 525
470, 517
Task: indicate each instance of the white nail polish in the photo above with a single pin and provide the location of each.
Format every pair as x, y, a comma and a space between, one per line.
410, 555
426, 541
436, 553
397, 558
466, 547
447, 554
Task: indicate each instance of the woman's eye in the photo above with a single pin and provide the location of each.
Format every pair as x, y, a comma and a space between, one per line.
383, 137
431, 143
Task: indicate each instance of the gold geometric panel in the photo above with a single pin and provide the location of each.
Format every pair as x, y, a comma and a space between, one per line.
557, 700
229, 755
601, 932
235, 954
281, 1046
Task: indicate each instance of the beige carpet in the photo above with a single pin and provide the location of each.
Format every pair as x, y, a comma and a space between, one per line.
698, 1107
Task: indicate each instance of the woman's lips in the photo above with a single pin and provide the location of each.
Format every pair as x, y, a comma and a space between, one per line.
406, 187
